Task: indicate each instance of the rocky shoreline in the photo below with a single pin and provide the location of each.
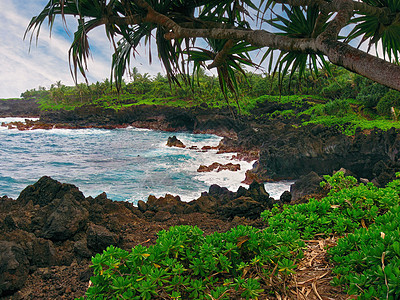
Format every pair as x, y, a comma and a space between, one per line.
50, 232
283, 149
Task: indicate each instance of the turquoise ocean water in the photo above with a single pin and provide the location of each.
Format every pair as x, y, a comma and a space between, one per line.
128, 164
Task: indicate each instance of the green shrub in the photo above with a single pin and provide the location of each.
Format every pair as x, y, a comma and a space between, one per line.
345, 208
338, 182
390, 99
368, 261
184, 264
341, 88
370, 95
245, 261
338, 107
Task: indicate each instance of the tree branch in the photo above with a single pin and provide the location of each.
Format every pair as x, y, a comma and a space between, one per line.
301, 2
221, 56
344, 10
384, 14
258, 38
362, 63
325, 43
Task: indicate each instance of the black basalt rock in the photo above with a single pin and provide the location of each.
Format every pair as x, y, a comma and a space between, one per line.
286, 197
66, 220
14, 267
46, 189
99, 238
306, 185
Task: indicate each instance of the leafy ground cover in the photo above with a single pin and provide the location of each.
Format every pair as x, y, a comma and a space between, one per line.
249, 263
347, 115
184, 264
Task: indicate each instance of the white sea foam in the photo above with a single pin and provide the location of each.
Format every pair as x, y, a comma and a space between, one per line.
127, 164
83, 131
15, 119
275, 189
136, 129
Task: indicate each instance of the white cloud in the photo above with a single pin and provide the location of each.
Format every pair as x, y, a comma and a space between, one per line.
47, 62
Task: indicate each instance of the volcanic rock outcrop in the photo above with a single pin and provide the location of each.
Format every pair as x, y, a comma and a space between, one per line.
52, 224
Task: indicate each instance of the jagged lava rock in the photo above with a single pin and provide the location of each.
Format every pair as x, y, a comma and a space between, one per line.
298, 151
14, 267
169, 203
286, 197
174, 142
306, 185
66, 220
219, 167
99, 237
45, 190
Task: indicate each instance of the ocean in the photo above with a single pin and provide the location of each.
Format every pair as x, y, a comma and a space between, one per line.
127, 164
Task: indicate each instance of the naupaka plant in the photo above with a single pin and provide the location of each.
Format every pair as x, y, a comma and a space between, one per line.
185, 264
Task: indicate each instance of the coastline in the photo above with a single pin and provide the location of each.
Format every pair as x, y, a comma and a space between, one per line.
139, 159
284, 152
52, 230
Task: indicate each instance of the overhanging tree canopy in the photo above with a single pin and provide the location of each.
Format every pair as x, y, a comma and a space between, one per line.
307, 32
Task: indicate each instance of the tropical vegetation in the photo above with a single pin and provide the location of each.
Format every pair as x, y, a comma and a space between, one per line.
298, 41
249, 263
347, 101
221, 35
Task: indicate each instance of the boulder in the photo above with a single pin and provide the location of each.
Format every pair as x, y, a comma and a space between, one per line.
142, 205
174, 142
205, 203
45, 190
39, 252
242, 207
229, 166
170, 203
14, 267
306, 185
219, 167
257, 192
99, 238
44, 253
221, 193
81, 249
209, 168
162, 216
286, 197
66, 220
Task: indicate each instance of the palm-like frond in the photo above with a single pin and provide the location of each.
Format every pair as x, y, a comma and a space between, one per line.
296, 23
113, 14
90, 14
371, 28
172, 53
236, 57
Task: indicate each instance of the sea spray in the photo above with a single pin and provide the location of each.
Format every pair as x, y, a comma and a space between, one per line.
128, 164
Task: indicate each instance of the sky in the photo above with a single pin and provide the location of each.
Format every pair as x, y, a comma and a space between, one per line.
23, 67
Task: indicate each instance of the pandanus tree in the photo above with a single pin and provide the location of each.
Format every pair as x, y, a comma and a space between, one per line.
220, 34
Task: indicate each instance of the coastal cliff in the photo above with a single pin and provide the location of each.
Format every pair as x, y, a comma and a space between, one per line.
19, 108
